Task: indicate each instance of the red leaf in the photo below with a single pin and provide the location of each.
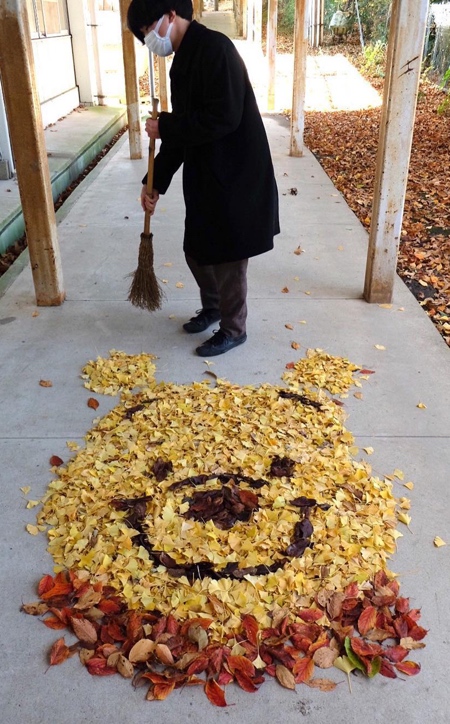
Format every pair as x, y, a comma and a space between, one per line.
93, 403
98, 667
109, 606
56, 461
410, 668
290, 365
245, 682
45, 584
172, 626
225, 678
402, 605
303, 669
309, 614
417, 633
59, 652
54, 623
352, 590
366, 372
367, 620
395, 653
251, 628
387, 670
214, 693
198, 665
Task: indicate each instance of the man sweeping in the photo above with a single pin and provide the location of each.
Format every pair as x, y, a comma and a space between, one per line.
215, 130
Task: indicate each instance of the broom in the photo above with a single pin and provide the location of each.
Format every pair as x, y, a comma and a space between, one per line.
145, 291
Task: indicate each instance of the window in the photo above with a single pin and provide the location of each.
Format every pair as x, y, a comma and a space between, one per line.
48, 17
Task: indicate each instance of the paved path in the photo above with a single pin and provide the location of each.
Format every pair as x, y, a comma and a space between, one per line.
99, 234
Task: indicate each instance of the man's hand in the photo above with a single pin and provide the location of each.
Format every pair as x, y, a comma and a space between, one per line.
152, 128
149, 201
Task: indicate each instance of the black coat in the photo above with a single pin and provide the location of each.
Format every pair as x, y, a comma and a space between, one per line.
216, 130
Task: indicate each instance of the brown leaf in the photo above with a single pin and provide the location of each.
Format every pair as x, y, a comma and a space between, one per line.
45, 383
322, 684
84, 630
324, 657
124, 667
93, 403
88, 599
285, 677
34, 609
334, 605
164, 654
198, 635
59, 652
141, 651
215, 694
55, 461
86, 655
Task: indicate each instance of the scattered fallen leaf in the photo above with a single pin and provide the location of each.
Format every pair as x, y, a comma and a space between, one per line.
179, 285
32, 529
295, 345
285, 677
285, 290
379, 346
215, 694
59, 652
55, 461
289, 326
421, 406
299, 250
45, 383
93, 403
438, 542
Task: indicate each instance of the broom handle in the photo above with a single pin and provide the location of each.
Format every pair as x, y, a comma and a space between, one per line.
151, 160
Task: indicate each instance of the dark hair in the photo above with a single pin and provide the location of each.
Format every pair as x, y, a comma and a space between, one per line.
143, 13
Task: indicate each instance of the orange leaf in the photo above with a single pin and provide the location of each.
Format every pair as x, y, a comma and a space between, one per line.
410, 668
215, 694
322, 684
59, 652
361, 648
367, 620
45, 584
162, 691
59, 589
241, 663
303, 669
54, 623
93, 403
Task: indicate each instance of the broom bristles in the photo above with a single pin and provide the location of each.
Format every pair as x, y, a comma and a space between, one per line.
145, 291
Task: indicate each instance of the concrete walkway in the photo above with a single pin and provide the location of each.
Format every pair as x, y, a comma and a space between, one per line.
99, 235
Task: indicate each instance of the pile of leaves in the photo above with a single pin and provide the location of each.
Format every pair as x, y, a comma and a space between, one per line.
346, 142
192, 511
370, 629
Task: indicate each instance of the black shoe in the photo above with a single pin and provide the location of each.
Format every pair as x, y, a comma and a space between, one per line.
203, 320
219, 343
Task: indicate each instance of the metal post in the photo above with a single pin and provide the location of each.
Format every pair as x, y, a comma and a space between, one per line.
27, 137
299, 86
406, 38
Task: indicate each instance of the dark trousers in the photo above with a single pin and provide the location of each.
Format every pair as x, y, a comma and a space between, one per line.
224, 287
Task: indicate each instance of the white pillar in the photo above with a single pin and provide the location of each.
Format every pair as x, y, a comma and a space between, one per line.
406, 38
299, 86
272, 15
83, 50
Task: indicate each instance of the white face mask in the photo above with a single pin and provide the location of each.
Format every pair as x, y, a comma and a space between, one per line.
158, 45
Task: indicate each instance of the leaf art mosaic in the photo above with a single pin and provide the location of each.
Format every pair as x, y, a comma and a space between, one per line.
206, 535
